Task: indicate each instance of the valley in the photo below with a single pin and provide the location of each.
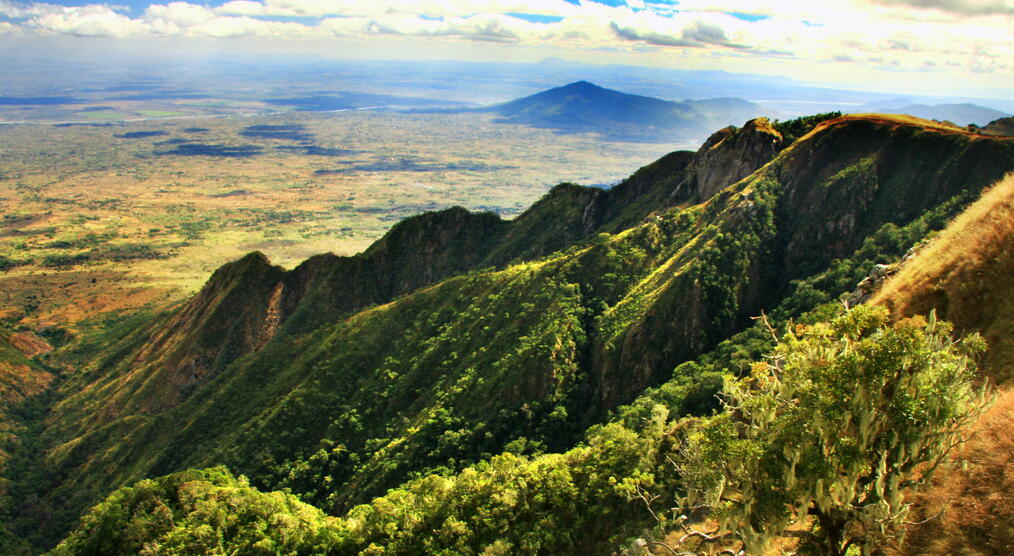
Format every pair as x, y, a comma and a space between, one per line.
123, 215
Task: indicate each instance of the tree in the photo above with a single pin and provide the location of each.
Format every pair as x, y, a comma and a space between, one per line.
821, 441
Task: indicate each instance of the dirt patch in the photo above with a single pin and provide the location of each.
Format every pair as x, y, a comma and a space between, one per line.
29, 344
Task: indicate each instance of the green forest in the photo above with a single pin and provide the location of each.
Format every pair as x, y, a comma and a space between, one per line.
644, 369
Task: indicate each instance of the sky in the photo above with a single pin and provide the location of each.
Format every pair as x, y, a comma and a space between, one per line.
929, 46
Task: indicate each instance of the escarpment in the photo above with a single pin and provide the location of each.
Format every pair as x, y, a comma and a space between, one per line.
458, 334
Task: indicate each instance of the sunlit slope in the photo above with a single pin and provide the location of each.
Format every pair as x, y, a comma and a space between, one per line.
966, 274
519, 358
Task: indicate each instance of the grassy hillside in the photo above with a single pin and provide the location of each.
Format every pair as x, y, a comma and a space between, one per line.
966, 273
508, 365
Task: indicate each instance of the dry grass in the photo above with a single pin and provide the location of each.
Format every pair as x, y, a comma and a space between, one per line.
976, 496
899, 119
967, 274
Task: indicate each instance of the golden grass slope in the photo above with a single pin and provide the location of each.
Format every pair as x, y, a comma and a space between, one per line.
967, 274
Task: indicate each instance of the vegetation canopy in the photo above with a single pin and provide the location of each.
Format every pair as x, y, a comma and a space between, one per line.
820, 442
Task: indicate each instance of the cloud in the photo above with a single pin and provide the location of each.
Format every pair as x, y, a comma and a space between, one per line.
19, 10
87, 21
182, 14
962, 7
707, 33
650, 37
970, 34
482, 27
429, 8
671, 31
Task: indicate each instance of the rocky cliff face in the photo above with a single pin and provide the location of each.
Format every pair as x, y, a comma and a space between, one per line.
732, 154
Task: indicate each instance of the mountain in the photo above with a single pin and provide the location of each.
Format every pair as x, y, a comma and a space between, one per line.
1001, 126
583, 107
960, 114
886, 105
470, 384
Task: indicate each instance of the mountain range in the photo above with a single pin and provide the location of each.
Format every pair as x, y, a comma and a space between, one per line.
470, 384
960, 114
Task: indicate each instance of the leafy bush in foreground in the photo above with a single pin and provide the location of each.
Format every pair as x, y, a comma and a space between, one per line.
822, 440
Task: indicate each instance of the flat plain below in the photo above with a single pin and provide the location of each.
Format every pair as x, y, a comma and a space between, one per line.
120, 215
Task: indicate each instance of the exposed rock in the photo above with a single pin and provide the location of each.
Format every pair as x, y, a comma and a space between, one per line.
732, 154
869, 285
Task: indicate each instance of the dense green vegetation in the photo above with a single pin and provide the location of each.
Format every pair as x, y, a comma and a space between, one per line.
795, 128
824, 437
590, 498
200, 512
512, 386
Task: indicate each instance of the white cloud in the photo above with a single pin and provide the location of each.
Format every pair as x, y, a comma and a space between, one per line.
88, 21
964, 7
19, 10
481, 27
917, 34
430, 8
182, 14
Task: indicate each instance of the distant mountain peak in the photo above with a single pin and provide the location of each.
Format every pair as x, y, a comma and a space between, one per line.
583, 85
583, 106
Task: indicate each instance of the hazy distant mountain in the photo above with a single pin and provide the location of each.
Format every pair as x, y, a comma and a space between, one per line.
887, 105
961, 114
729, 111
586, 107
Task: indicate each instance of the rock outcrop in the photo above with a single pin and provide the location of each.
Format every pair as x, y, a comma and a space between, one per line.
732, 154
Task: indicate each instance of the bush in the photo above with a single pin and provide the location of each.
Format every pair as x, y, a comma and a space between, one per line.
822, 440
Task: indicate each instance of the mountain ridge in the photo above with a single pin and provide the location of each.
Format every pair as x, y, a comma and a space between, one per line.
525, 346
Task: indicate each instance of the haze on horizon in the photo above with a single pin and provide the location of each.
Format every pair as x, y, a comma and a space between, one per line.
927, 47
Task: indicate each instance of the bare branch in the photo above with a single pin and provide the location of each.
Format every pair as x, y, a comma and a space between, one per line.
704, 537
771, 330
648, 501
927, 520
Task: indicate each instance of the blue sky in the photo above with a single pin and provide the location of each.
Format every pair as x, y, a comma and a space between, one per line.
935, 46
